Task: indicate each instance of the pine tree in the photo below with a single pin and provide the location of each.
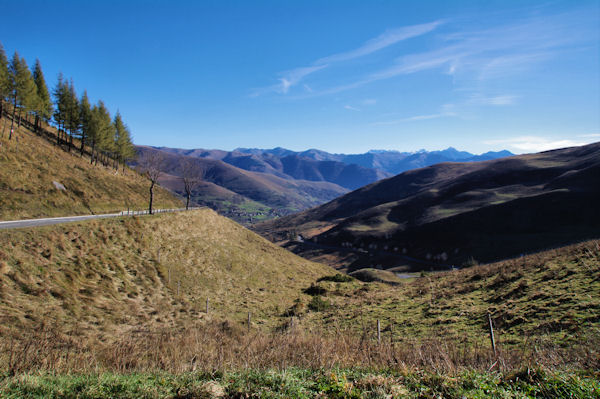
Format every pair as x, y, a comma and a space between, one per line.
4, 80
22, 88
43, 110
104, 139
4, 84
60, 112
72, 118
125, 150
85, 116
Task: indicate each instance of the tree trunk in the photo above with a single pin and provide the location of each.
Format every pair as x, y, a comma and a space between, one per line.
12, 123
187, 203
92, 152
151, 197
82, 143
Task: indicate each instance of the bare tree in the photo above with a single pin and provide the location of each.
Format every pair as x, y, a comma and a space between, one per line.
190, 174
151, 165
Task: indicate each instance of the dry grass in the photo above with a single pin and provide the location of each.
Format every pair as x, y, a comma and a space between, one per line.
29, 164
102, 278
97, 296
228, 347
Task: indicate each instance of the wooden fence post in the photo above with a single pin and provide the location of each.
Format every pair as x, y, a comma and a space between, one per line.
378, 332
248, 321
178, 285
206, 305
492, 333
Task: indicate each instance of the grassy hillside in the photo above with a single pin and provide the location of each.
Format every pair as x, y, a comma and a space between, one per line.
550, 298
104, 281
448, 213
30, 164
102, 278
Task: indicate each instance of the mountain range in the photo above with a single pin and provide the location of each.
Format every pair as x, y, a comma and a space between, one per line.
454, 213
255, 184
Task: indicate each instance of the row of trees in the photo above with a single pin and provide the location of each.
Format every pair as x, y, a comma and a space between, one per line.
107, 138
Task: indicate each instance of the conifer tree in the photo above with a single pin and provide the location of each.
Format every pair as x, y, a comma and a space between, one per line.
72, 119
43, 111
104, 139
4, 84
125, 150
4, 80
60, 112
85, 115
22, 88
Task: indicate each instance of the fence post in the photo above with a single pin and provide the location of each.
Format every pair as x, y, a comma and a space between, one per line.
378, 332
178, 285
248, 321
492, 333
206, 305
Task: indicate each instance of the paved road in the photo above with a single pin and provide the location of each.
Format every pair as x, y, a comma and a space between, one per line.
12, 224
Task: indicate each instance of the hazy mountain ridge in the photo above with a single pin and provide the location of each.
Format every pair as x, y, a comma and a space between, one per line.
488, 210
347, 170
387, 161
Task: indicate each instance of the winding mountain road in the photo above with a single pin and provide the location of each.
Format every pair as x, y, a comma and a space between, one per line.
13, 224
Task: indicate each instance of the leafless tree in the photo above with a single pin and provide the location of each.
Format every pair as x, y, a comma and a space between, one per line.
191, 176
151, 164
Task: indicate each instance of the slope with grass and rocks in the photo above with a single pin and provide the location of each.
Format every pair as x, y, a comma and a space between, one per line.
40, 179
105, 277
549, 298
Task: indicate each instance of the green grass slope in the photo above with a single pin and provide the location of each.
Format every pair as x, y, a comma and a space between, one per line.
548, 298
30, 164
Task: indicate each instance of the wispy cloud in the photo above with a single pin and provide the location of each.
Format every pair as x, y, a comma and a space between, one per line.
415, 118
478, 99
382, 41
351, 108
390, 37
480, 55
536, 143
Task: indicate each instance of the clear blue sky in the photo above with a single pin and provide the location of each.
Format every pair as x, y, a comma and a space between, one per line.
342, 76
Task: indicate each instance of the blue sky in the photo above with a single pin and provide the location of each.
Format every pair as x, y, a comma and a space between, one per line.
342, 76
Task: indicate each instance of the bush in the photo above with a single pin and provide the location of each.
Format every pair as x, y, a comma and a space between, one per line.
315, 290
338, 278
318, 304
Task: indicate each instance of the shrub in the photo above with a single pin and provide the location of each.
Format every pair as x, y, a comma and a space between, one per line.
318, 304
338, 278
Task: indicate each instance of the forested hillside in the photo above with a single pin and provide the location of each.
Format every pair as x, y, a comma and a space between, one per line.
61, 156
